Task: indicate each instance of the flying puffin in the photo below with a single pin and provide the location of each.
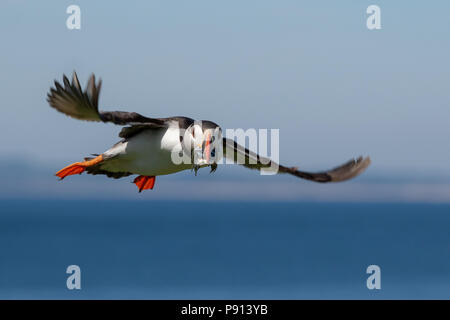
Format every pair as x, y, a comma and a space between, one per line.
152, 147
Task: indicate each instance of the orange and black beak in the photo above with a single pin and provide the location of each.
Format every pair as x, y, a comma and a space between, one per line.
207, 151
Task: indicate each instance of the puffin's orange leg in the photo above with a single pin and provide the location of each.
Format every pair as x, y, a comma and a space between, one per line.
144, 182
78, 167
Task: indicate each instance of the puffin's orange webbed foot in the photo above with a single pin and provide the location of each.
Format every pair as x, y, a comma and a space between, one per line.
78, 167
144, 182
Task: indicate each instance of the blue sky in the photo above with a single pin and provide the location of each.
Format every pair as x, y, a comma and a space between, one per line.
310, 68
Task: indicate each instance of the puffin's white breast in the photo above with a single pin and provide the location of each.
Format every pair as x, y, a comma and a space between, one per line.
147, 153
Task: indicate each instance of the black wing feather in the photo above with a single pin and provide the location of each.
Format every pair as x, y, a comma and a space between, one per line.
71, 100
251, 160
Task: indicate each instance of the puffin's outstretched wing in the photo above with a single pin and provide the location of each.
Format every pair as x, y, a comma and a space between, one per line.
76, 103
251, 160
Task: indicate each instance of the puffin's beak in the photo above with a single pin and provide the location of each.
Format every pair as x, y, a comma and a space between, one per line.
207, 147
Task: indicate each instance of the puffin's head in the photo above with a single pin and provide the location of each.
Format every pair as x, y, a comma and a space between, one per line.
202, 141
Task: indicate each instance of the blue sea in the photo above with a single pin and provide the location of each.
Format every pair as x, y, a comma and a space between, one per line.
223, 250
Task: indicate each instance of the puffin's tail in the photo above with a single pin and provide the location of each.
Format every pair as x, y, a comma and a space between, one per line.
78, 167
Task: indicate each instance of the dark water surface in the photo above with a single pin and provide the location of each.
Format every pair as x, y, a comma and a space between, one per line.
190, 250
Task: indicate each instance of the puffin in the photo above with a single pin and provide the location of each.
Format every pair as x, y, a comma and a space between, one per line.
151, 147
